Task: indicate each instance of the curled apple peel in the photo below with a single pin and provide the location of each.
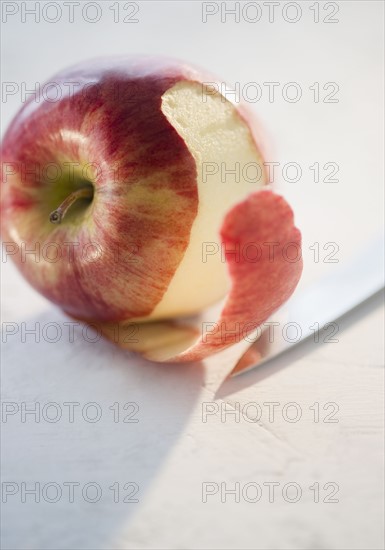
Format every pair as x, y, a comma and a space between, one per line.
175, 220
260, 285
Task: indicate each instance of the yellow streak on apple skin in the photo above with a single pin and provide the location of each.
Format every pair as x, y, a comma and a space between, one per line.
214, 132
32, 230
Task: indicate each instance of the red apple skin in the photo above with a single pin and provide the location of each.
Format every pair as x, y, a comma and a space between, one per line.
141, 235
258, 288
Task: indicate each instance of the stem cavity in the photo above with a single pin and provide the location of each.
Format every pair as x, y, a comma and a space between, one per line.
83, 193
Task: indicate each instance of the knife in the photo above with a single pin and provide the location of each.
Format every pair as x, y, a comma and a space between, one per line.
315, 308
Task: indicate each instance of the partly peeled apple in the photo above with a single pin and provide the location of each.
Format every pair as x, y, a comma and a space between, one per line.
125, 182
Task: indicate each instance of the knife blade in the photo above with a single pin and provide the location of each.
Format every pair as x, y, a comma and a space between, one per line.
318, 305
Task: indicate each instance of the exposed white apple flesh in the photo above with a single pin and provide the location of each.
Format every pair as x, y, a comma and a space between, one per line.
214, 133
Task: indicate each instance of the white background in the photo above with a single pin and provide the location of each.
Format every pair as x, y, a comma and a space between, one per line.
170, 452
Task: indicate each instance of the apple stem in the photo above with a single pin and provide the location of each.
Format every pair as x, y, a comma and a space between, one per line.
83, 193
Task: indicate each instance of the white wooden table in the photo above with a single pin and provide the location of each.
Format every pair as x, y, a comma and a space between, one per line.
205, 473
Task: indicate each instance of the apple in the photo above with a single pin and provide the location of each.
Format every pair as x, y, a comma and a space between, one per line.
119, 206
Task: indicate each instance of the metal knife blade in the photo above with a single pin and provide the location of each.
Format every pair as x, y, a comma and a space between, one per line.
318, 305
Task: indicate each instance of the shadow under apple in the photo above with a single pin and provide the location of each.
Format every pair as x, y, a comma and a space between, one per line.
86, 427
